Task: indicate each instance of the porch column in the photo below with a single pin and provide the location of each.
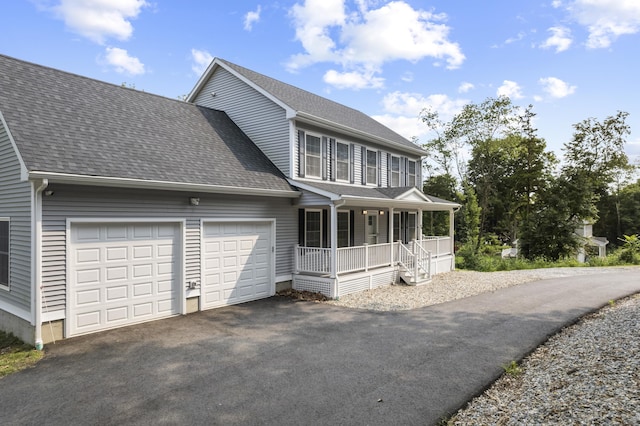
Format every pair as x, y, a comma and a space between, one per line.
451, 247
334, 241
419, 225
391, 236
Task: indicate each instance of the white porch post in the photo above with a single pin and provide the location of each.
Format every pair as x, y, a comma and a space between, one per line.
451, 232
334, 241
391, 236
419, 225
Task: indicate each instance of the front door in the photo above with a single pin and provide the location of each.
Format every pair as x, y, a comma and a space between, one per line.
372, 228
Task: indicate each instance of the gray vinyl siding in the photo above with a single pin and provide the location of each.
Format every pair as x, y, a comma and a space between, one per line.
357, 157
15, 203
259, 118
104, 203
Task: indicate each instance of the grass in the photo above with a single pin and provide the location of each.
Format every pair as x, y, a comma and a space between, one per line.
512, 369
15, 355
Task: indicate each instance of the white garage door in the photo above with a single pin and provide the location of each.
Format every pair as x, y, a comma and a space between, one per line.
237, 263
122, 273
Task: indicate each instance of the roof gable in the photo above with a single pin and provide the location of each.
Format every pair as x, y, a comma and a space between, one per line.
308, 106
68, 124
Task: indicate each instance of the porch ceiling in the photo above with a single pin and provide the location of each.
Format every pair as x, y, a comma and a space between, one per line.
362, 196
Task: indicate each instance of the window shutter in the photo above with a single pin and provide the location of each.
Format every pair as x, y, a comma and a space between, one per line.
323, 156
363, 160
405, 160
325, 228
352, 232
419, 183
379, 171
301, 220
352, 169
388, 170
333, 156
301, 147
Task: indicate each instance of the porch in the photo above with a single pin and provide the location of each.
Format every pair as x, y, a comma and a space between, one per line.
352, 238
369, 266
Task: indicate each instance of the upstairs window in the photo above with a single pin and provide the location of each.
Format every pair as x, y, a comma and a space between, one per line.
4, 252
372, 167
342, 161
313, 156
411, 173
395, 171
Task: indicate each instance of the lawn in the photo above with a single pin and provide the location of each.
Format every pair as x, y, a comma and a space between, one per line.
15, 355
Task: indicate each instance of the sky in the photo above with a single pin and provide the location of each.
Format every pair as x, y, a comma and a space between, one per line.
570, 59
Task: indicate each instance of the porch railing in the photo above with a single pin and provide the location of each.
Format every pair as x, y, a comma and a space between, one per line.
418, 255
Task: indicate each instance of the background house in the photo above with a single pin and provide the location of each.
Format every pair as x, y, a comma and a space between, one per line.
119, 206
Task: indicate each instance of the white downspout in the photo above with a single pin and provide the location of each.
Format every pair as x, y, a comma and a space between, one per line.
36, 256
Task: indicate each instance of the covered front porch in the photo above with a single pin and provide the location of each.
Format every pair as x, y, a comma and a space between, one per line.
355, 239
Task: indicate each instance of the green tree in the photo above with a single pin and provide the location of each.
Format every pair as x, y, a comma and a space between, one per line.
557, 213
441, 186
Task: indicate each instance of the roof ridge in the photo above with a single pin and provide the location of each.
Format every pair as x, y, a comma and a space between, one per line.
84, 77
289, 85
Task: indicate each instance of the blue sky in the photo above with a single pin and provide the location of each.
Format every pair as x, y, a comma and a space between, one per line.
571, 59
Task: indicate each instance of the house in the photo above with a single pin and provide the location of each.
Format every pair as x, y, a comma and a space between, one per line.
590, 245
119, 207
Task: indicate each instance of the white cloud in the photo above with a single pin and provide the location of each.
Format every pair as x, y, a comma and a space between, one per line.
99, 20
560, 39
402, 111
251, 18
122, 62
201, 60
510, 89
556, 88
606, 20
363, 40
465, 86
352, 80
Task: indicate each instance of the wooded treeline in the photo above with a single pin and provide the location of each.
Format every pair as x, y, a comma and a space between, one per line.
490, 159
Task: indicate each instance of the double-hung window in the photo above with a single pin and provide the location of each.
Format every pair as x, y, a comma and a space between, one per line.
313, 156
313, 228
342, 161
395, 171
4, 252
372, 167
411, 173
343, 229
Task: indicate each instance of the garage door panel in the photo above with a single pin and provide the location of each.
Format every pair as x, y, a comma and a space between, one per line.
234, 256
117, 293
119, 276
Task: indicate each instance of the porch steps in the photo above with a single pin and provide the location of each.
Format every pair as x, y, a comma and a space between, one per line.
409, 279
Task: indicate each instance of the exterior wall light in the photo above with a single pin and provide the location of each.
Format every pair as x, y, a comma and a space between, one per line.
194, 201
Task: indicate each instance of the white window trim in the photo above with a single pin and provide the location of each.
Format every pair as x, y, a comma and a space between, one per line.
306, 156
348, 161
415, 174
366, 159
7, 286
392, 172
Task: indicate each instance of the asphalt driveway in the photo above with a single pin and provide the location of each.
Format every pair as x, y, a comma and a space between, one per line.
278, 361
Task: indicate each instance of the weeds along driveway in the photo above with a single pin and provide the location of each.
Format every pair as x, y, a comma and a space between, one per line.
278, 361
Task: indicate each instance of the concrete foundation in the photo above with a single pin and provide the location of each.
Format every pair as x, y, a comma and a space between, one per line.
193, 305
284, 285
18, 327
52, 331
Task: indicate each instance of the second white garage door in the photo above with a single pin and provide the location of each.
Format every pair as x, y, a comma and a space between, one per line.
237, 263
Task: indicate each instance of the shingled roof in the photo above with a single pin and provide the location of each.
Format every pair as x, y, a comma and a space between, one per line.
72, 125
312, 105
